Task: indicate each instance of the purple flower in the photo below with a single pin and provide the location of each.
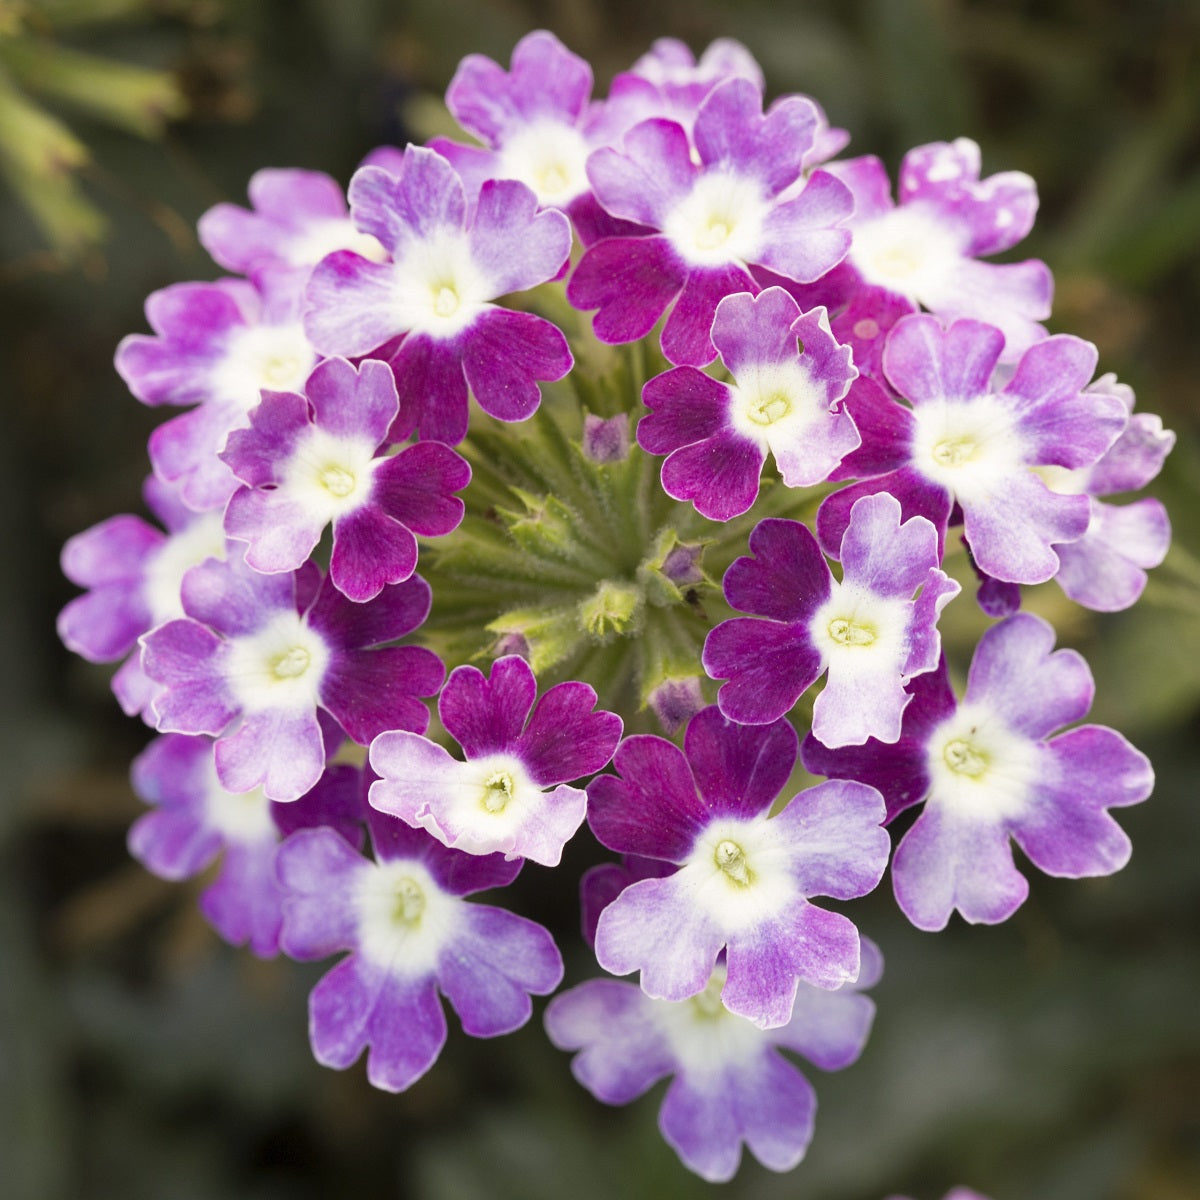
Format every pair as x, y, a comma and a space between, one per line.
497, 800
969, 442
133, 572
988, 769
295, 219
535, 120
789, 375
867, 631
744, 877
215, 345
312, 459
925, 251
446, 266
731, 1085
711, 218
411, 935
195, 819
258, 658
960, 1193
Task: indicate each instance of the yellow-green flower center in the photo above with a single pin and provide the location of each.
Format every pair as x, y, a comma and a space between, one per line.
292, 663
409, 902
954, 451
731, 859
715, 233
446, 302
965, 759
847, 632
766, 410
498, 790
337, 481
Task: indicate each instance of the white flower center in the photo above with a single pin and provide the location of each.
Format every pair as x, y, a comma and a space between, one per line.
276, 357
859, 632
201, 539
328, 475
243, 817
548, 157
970, 446
738, 873
906, 250
438, 289
776, 404
719, 221
979, 767
279, 666
405, 919
704, 1036
322, 237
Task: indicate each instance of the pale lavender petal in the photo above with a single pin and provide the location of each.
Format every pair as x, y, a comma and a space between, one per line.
602, 884
183, 451
947, 862
631, 281
739, 769
280, 532
800, 240
830, 1028
927, 363
283, 751
867, 178
1134, 459
232, 599
243, 903
320, 873
653, 174
1106, 569
1065, 830
650, 806
614, 1026
490, 969
351, 304
187, 659
750, 330
512, 244
1014, 297
880, 553
918, 496
424, 197
1016, 676
505, 353
924, 641
657, 927
257, 454
353, 402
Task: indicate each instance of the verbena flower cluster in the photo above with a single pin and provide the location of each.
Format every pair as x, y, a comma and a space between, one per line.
515, 428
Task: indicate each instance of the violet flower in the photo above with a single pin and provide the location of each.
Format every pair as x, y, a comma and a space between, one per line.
789, 375
447, 264
500, 798
731, 1086
969, 442
988, 769
259, 657
411, 935
744, 877
314, 458
711, 218
868, 631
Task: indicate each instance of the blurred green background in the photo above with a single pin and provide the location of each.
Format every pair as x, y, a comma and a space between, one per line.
1056, 1057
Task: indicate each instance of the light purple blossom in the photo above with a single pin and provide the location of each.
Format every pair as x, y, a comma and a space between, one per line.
789, 375
500, 798
133, 572
259, 657
925, 250
731, 1086
446, 265
311, 459
868, 631
968, 441
295, 218
744, 878
711, 218
215, 345
960, 1193
195, 820
989, 769
410, 935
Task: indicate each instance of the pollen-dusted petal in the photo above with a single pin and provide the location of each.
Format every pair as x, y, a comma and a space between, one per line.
489, 970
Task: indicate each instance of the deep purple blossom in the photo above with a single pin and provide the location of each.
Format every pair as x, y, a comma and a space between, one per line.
195, 820
868, 631
295, 218
744, 878
259, 657
789, 375
969, 442
446, 265
924, 251
711, 218
511, 795
410, 935
216, 346
731, 1086
311, 459
989, 769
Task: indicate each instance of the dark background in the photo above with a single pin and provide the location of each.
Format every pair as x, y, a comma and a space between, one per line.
1056, 1057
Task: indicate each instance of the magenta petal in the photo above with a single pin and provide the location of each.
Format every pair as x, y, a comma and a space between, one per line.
768, 665
565, 740
432, 389
486, 714
650, 806
720, 475
415, 488
505, 354
370, 551
371, 691
489, 970
631, 281
395, 612
686, 406
786, 580
685, 337
739, 769
917, 495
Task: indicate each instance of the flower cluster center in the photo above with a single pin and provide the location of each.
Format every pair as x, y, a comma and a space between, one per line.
847, 632
498, 790
731, 859
963, 758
